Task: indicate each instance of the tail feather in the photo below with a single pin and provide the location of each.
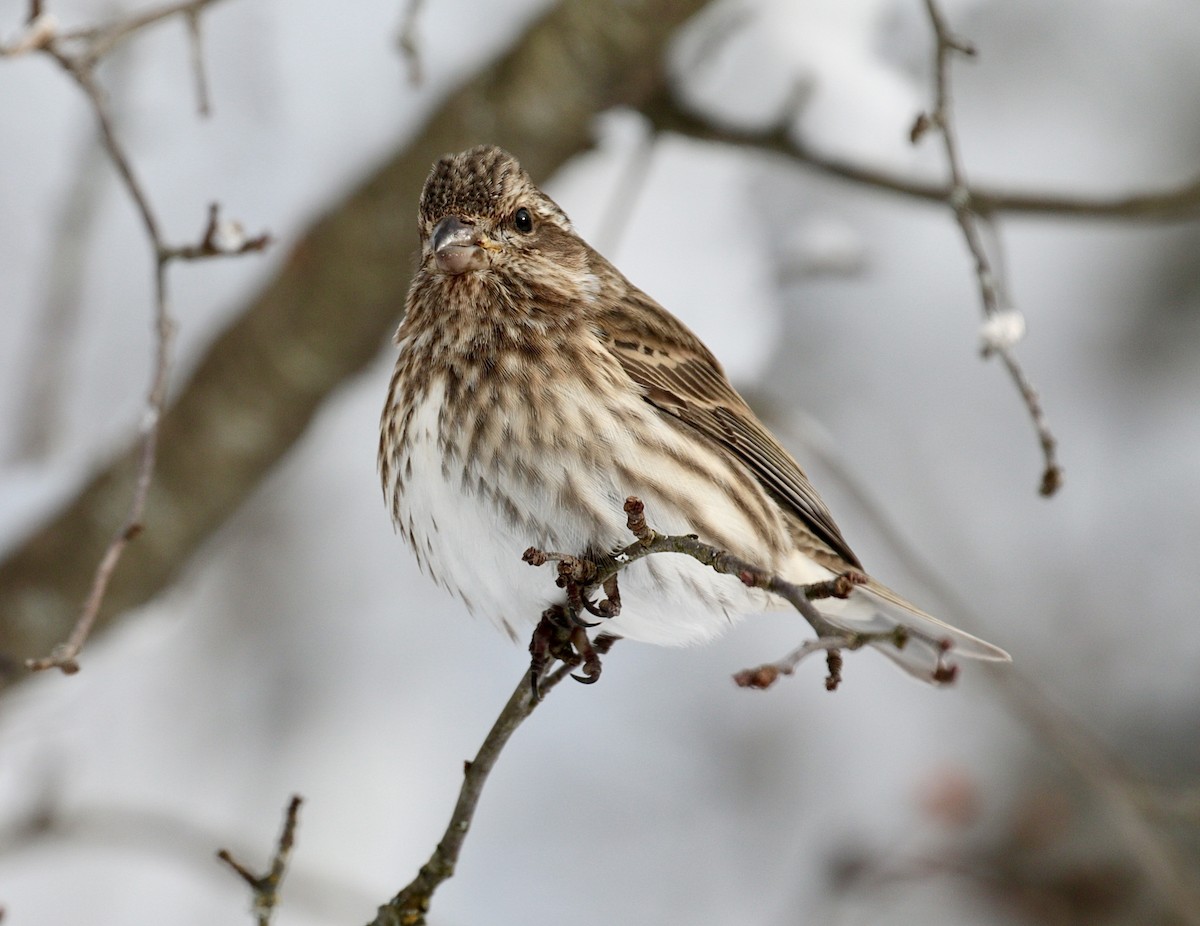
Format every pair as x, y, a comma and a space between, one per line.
932, 645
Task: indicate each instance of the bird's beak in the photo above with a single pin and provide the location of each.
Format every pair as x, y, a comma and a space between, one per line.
458, 246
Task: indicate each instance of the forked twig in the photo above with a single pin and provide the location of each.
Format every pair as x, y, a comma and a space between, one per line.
266, 886
78, 52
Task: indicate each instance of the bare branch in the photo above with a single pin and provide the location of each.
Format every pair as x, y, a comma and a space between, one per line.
941, 119
971, 208
581, 577
411, 904
80, 63
40, 29
97, 41
266, 886
765, 676
220, 238
1171, 204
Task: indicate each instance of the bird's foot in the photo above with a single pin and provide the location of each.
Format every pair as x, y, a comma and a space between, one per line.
561, 635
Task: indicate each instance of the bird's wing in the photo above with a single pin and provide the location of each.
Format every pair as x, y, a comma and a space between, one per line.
682, 378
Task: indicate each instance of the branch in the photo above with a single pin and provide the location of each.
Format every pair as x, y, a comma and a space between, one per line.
1002, 326
98, 41
246, 405
582, 577
1173, 204
409, 907
80, 64
266, 886
999, 336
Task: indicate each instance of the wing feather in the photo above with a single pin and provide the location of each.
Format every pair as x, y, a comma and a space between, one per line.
682, 378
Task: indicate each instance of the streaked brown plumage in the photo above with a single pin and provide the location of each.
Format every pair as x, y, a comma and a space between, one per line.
537, 388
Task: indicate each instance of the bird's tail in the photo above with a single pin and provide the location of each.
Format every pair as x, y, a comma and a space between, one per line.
930, 648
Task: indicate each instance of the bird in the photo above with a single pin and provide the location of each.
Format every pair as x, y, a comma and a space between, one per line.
536, 389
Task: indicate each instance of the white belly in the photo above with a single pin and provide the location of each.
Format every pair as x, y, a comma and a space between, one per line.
469, 535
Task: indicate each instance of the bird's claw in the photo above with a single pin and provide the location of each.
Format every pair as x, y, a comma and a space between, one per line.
577, 621
610, 605
591, 659
561, 635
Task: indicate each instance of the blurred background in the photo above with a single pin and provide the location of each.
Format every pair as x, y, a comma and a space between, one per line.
291, 645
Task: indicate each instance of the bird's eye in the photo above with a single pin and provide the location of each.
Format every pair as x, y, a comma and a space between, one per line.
523, 221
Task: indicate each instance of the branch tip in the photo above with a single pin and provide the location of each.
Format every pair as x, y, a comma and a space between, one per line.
759, 677
1052, 480
635, 521
535, 557
60, 658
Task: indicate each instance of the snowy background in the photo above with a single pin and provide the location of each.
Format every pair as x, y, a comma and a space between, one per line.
303, 652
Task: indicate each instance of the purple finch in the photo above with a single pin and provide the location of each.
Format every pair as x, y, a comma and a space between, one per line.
537, 388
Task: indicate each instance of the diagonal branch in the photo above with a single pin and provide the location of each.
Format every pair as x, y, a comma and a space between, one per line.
411, 904
580, 577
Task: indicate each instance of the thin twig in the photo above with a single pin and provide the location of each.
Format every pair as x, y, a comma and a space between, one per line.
1052, 474
407, 43
266, 886
77, 53
941, 119
409, 907
98, 41
581, 577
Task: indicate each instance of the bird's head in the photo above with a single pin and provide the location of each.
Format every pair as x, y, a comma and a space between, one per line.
481, 212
